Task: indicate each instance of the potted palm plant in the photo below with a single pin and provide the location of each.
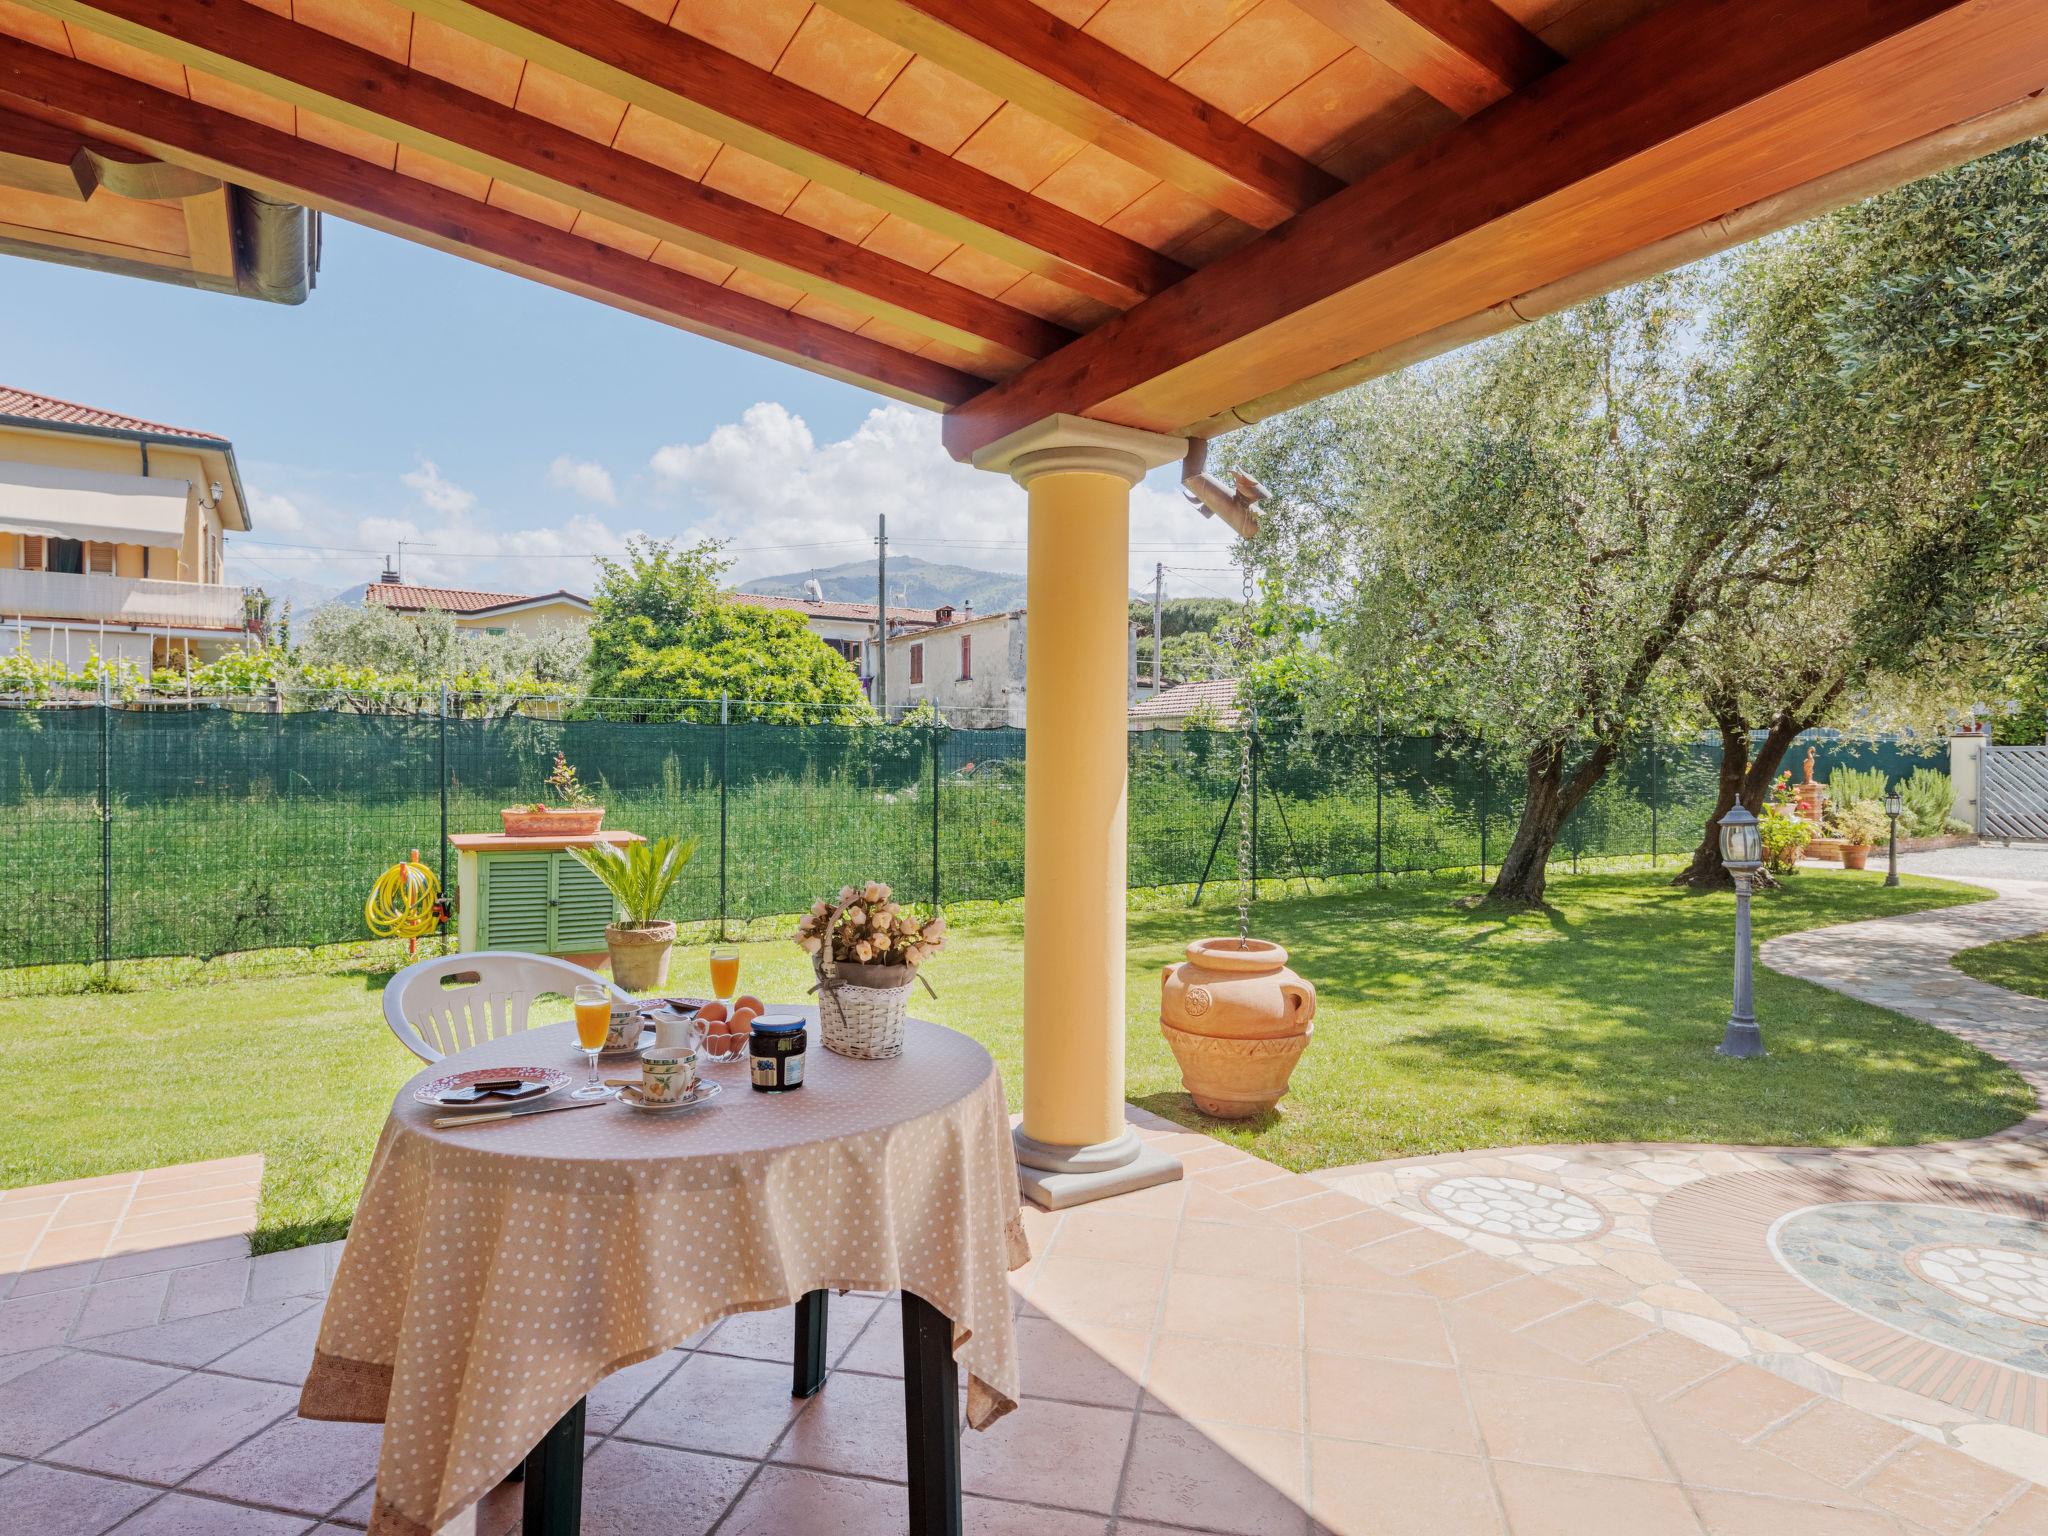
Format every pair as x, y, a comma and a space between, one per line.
639, 876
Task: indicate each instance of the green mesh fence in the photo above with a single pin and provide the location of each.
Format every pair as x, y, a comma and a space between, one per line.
133, 832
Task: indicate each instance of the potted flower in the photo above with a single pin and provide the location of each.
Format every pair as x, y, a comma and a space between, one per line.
639, 875
1784, 835
570, 815
1860, 826
866, 950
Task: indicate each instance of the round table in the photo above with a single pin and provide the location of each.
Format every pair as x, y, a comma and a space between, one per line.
495, 1272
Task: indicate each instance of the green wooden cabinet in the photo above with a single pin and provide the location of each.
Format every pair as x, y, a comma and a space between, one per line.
541, 901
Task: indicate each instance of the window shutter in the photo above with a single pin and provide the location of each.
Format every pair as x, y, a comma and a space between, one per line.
966, 657
917, 663
583, 908
515, 902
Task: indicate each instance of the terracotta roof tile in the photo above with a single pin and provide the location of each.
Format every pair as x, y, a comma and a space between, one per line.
24, 403
448, 599
1185, 698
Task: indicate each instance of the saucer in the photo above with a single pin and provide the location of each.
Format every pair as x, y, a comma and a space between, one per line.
646, 1038
703, 1093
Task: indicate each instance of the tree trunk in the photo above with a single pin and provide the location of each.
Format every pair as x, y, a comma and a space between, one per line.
1744, 775
1548, 799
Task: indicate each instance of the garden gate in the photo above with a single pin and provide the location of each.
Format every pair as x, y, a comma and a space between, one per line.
2016, 792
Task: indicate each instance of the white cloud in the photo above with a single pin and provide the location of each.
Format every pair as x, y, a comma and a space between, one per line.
272, 515
585, 478
440, 495
765, 480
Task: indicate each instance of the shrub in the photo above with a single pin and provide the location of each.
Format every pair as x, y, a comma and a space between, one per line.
1783, 836
1848, 785
1929, 798
1862, 823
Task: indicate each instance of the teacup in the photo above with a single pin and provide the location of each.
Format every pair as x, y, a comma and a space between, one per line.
667, 1073
622, 1031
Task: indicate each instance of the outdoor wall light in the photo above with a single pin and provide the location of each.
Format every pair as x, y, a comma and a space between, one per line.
1742, 856
1894, 807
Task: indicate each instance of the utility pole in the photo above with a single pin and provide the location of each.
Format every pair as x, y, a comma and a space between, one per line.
882, 613
1158, 598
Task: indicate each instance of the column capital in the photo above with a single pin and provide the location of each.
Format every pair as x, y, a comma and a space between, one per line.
1079, 444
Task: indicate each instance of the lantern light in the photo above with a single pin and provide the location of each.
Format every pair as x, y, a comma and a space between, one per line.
1741, 842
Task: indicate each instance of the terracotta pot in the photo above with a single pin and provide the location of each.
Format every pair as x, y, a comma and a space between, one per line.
524, 821
640, 955
1855, 855
1238, 1019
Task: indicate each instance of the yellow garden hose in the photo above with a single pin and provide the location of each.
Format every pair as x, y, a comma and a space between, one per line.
403, 903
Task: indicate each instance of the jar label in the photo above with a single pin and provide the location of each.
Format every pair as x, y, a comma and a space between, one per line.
793, 1071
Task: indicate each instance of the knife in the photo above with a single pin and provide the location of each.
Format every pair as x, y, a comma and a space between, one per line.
449, 1122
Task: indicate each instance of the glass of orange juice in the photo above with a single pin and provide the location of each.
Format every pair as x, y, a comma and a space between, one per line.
725, 974
593, 1018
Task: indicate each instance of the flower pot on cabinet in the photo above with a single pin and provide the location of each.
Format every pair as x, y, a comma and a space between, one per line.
525, 821
1237, 1020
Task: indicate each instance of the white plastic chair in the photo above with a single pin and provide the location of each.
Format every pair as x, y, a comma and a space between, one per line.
433, 1019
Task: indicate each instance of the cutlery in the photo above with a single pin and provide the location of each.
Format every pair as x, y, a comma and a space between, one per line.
445, 1122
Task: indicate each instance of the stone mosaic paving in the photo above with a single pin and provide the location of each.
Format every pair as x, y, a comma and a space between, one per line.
1995, 1411
1511, 1207
1932, 1270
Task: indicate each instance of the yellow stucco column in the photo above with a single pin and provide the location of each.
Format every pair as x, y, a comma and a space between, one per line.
1078, 474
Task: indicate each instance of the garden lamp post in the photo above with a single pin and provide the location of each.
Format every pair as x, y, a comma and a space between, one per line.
1742, 856
1894, 806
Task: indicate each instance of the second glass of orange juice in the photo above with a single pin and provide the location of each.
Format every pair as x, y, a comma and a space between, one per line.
725, 974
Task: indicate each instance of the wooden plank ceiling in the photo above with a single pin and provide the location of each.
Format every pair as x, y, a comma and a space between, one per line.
1158, 212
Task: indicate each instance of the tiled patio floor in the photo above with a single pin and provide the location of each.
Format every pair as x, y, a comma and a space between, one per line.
1247, 1352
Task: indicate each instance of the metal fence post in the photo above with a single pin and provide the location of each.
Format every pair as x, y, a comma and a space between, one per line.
1379, 829
441, 772
1654, 792
106, 825
1485, 782
935, 811
724, 775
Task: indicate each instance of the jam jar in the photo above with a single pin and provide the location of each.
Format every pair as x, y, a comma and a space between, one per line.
778, 1046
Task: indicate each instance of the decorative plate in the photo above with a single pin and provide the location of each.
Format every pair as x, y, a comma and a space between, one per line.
430, 1093
703, 1093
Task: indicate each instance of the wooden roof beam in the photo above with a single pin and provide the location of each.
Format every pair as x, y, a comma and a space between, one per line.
1052, 69
1468, 54
1698, 109
615, 49
217, 143
296, 64
42, 157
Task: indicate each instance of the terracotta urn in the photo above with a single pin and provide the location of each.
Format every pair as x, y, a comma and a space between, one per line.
1855, 855
1238, 1019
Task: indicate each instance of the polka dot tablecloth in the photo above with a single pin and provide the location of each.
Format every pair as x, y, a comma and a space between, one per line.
494, 1274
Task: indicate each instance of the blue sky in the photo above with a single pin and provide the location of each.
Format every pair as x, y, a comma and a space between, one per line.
516, 429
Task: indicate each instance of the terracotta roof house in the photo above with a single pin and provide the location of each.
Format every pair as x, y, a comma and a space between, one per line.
1170, 709
112, 535
494, 612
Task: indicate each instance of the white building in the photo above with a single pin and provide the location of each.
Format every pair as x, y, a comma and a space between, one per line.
849, 628
969, 666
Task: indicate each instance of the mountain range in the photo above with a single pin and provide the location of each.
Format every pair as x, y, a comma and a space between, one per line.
913, 582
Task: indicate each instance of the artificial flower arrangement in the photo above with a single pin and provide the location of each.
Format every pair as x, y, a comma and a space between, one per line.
866, 926
866, 950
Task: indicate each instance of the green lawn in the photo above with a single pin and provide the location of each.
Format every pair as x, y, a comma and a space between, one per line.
1441, 1027
2018, 965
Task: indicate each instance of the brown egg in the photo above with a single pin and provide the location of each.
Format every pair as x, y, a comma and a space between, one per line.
746, 1001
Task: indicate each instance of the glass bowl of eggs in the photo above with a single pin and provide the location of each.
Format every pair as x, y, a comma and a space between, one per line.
727, 1029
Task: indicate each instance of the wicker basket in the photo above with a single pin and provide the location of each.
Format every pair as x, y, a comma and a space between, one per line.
854, 1020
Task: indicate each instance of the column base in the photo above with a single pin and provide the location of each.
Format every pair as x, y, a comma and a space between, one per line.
1056, 1177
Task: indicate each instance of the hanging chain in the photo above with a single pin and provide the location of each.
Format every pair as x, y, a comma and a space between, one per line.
1246, 725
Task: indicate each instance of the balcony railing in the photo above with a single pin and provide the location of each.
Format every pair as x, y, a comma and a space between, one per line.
80, 599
